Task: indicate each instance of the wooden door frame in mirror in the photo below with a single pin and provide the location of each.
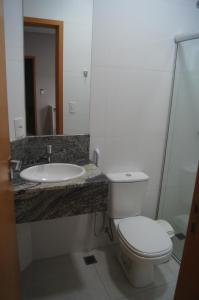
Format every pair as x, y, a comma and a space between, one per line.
59, 27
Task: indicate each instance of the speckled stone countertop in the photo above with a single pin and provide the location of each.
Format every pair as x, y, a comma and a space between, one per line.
44, 201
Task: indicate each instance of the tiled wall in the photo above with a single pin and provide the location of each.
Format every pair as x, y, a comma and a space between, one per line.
132, 61
13, 23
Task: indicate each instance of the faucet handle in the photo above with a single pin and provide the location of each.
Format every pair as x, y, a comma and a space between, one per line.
49, 149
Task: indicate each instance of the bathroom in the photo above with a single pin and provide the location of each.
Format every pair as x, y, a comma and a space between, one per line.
123, 112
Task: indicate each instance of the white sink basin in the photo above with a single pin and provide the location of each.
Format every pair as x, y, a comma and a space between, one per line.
52, 172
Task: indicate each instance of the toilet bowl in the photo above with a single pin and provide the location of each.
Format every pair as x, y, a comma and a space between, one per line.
143, 242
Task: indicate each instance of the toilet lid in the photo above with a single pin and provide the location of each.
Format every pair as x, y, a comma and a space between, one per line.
144, 236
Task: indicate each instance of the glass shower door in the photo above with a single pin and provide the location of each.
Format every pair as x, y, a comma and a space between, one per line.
182, 151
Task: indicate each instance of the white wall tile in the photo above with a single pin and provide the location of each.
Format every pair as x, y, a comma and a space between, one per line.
15, 92
79, 12
140, 153
76, 12
77, 89
139, 25
77, 48
159, 54
13, 24
138, 102
132, 61
150, 203
76, 123
44, 9
100, 96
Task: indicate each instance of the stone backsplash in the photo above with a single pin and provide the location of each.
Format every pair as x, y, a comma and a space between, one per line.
68, 149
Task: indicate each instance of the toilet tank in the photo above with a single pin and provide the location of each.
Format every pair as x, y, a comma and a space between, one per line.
127, 193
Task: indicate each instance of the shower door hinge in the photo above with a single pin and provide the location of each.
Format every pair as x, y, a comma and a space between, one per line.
193, 227
195, 217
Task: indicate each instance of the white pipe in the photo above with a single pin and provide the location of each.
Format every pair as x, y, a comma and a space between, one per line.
96, 156
186, 37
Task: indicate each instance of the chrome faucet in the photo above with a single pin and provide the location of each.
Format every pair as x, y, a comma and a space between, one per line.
17, 163
49, 151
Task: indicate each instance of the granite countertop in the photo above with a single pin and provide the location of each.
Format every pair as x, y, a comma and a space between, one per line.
92, 175
43, 201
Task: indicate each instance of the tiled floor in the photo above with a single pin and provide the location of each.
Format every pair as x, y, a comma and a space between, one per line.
68, 278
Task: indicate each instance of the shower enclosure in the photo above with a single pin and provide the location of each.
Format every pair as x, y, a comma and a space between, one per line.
182, 150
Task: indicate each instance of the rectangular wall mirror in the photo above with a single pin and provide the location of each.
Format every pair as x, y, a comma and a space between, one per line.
57, 62
43, 61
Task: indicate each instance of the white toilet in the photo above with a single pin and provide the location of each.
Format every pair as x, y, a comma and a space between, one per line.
143, 242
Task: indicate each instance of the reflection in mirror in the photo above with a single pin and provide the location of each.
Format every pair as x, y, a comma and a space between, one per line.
40, 50
57, 76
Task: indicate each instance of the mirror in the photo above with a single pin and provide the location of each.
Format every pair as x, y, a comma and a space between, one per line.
57, 61
43, 61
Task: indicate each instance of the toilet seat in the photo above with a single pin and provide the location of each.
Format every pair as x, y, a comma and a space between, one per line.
144, 237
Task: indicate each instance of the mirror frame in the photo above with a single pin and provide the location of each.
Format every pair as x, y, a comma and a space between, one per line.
59, 27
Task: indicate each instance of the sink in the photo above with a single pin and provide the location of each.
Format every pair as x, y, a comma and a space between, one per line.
55, 172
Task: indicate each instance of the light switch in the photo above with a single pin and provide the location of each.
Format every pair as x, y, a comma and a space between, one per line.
72, 107
19, 128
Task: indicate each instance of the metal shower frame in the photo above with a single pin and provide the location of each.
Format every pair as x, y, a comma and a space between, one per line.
178, 39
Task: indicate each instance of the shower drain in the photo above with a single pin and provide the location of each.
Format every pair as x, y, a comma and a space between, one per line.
90, 259
180, 236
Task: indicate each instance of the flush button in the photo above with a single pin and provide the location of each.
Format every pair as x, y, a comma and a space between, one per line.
128, 174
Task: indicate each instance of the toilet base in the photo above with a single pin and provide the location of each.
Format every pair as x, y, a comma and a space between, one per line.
139, 274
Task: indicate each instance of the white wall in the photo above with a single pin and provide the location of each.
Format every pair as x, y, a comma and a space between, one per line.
42, 46
14, 62
132, 60
77, 17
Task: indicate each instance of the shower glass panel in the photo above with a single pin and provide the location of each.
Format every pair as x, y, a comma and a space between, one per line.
182, 151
